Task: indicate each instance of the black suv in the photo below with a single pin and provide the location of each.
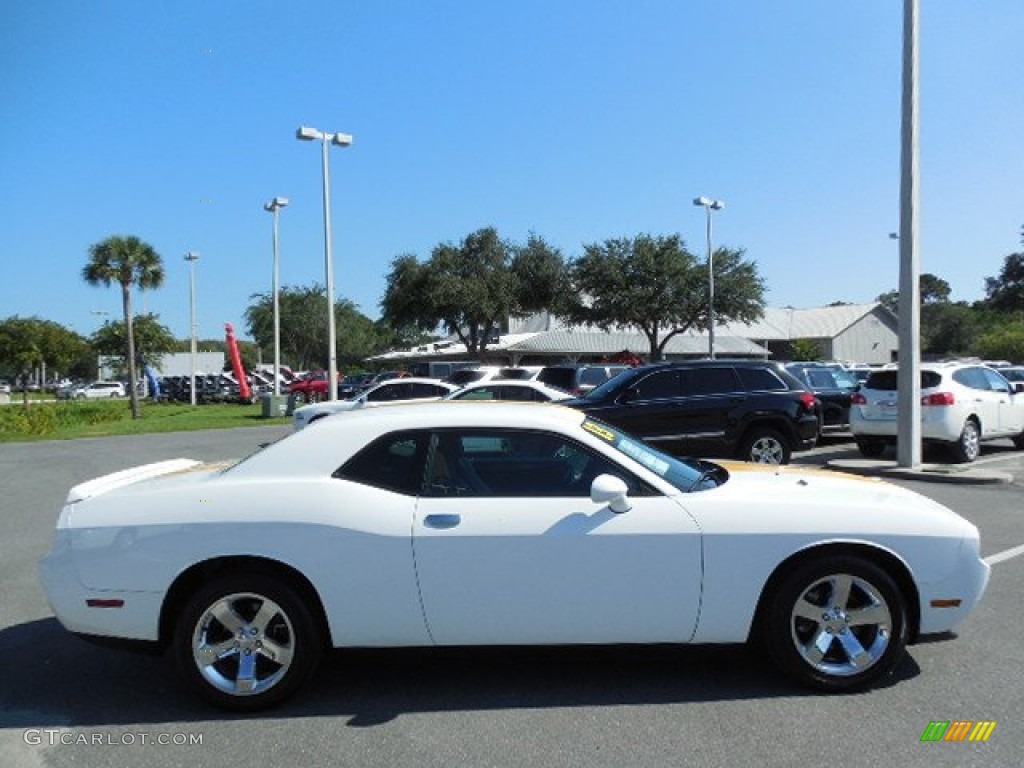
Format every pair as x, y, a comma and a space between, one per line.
751, 409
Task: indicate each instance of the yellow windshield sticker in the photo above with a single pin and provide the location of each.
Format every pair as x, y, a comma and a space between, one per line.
597, 429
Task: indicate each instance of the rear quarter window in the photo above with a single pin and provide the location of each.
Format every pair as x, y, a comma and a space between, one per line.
761, 379
887, 380
393, 462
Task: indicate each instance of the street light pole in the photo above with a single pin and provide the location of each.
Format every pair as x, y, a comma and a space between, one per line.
341, 140
710, 205
908, 384
274, 206
191, 257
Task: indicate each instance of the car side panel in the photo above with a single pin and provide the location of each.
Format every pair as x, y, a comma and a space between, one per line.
359, 561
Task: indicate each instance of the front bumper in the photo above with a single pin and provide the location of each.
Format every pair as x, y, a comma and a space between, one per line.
966, 583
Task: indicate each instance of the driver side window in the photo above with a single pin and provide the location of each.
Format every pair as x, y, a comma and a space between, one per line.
514, 463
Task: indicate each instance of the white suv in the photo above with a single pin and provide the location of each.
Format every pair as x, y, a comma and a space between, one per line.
98, 389
962, 405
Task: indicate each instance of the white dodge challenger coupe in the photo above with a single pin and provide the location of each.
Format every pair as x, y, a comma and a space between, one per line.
463, 524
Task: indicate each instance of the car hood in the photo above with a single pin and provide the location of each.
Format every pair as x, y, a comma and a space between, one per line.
828, 500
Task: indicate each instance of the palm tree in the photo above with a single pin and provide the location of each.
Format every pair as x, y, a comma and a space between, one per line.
126, 261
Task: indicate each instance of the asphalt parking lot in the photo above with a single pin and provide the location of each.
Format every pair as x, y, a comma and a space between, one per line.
64, 702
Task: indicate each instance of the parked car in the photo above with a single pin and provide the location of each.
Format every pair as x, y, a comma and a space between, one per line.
311, 388
386, 392
5, 388
751, 409
403, 527
579, 379
94, 390
353, 384
465, 376
833, 386
962, 406
509, 389
1013, 374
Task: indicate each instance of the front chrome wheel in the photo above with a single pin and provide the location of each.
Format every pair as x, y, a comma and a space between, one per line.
836, 623
841, 625
248, 641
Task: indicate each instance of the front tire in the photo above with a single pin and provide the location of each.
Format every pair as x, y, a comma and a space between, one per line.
246, 642
763, 445
836, 624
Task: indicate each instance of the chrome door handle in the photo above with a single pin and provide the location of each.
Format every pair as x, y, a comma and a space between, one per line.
442, 522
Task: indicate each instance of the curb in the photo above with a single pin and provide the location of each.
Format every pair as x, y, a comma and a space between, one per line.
933, 473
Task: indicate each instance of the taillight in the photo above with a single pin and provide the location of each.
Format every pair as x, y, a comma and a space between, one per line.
939, 398
858, 399
807, 400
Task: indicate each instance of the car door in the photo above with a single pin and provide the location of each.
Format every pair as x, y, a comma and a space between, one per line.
648, 408
981, 399
1010, 405
713, 395
509, 548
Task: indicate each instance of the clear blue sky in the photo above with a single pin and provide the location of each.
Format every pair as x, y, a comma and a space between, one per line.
576, 120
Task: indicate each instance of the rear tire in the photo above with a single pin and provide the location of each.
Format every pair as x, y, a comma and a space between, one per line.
870, 449
763, 445
246, 642
836, 624
968, 447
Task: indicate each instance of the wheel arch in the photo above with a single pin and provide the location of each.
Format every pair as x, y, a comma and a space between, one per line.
882, 558
189, 580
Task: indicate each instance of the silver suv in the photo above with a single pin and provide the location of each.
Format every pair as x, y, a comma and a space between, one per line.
962, 405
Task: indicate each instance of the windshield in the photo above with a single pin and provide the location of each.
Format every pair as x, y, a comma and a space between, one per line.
688, 475
612, 385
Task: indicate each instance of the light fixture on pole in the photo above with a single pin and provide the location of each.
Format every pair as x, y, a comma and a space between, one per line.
191, 257
341, 140
710, 205
274, 206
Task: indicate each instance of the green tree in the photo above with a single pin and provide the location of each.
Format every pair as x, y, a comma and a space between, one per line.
472, 288
933, 290
152, 339
27, 343
1006, 292
1004, 343
128, 262
948, 328
805, 351
656, 285
303, 317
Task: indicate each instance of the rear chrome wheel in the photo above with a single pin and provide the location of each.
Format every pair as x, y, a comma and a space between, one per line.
837, 624
764, 446
968, 447
246, 642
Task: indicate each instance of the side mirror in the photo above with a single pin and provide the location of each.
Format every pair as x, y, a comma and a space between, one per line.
629, 395
610, 490
1018, 386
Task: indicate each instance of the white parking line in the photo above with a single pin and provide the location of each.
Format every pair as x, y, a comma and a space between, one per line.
1006, 554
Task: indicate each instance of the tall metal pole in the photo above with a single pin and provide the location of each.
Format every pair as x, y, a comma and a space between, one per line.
711, 289
908, 444
274, 206
191, 258
710, 205
332, 341
343, 140
277, 311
